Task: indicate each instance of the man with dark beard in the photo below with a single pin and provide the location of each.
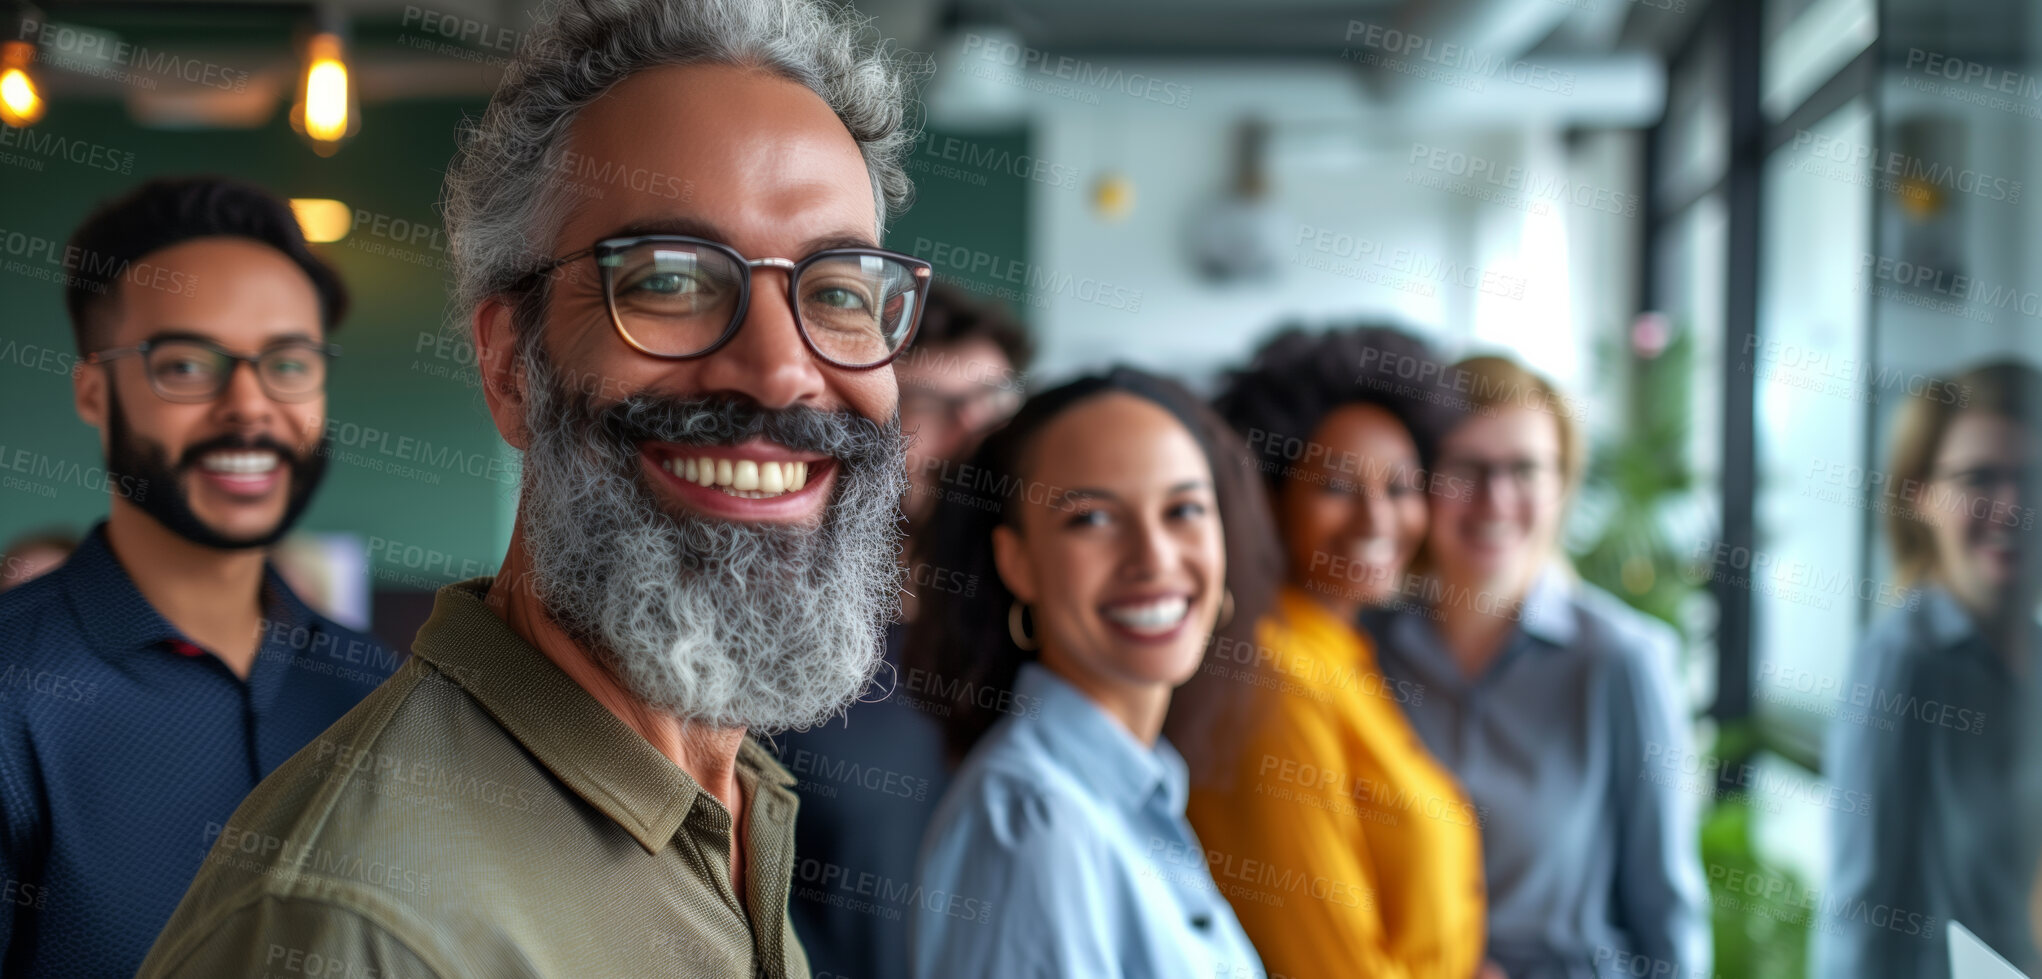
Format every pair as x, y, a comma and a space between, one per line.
665, 230
164, 669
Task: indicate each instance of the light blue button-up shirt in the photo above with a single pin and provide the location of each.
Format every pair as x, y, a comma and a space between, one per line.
1938, 731
1061, 850
1570, 745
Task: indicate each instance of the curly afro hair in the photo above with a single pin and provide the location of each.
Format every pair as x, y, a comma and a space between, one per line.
1298, 378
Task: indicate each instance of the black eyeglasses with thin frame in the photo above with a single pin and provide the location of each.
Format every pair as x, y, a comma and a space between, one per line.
679, 297
193, 370
1521, 474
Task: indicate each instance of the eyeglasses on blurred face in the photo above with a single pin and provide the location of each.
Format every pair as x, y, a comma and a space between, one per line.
983, 406
1525, 475
193, 370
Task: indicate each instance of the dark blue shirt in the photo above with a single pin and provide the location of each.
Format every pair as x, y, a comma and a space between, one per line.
868, 784
124, 747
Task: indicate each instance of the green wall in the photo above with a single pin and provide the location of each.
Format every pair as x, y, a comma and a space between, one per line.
970, 215
417, 464
391, 168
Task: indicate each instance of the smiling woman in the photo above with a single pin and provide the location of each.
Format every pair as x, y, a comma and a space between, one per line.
1545, 696
1121, 527
1934, 683
1324, 772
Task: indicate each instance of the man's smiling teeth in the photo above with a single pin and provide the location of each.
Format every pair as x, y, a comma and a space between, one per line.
1376, 550
239, 463
1157, 616
745, 478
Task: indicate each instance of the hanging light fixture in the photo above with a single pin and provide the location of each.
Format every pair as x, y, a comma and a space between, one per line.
21, 98
327, 111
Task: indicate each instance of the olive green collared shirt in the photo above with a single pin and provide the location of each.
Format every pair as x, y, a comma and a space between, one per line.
481, 815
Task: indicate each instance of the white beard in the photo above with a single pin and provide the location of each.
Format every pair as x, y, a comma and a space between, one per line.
762, 626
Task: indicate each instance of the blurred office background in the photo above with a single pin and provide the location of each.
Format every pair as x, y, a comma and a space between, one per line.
1732, 229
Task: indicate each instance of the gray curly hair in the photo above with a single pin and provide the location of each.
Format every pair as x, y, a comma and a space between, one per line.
501, 206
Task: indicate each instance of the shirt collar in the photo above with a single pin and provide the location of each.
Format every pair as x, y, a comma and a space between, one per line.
117, 618
115, 615
1548, 613
289, 630
566, 729
1947, 623
1411, 638
1309, 621
1082, 737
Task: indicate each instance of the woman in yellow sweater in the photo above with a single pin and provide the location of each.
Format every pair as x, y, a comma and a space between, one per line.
1344, 847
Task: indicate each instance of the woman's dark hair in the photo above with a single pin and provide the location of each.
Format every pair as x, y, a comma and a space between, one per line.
961, 645
172, 210
1299, 378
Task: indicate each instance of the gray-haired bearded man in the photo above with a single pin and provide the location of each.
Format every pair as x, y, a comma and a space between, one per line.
560, 782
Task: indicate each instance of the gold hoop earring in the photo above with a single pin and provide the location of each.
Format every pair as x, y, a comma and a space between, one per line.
1226, 609
1015, 631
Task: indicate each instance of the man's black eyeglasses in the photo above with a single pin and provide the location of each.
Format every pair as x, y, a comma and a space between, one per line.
680, 297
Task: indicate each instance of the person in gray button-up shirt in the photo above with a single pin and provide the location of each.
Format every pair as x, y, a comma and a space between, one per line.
1554, 703
1936, 724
